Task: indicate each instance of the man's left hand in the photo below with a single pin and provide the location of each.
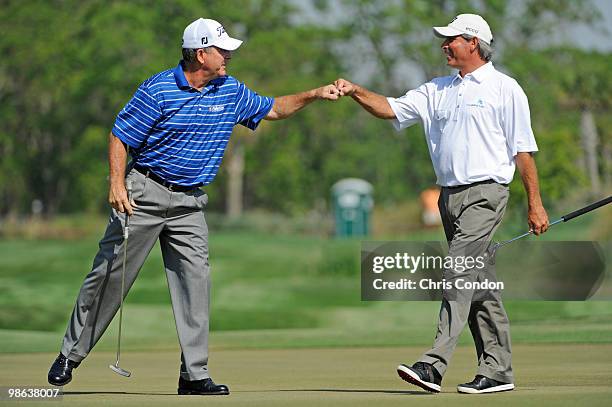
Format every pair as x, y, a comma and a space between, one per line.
537, 218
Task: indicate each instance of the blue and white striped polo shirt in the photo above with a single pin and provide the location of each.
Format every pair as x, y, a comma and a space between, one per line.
180, 133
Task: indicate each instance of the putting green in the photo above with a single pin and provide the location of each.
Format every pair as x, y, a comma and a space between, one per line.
546, 375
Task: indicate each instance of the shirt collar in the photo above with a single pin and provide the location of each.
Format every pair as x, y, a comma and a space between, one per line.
483, 72
182, 83
479, 75
179, 77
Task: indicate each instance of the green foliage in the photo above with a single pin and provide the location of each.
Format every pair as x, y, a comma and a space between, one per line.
560, 83
69, 67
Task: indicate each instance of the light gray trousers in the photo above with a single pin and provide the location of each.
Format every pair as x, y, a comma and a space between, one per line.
471, 215
176, 219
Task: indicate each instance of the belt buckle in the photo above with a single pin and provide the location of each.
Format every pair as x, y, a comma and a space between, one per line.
170, 187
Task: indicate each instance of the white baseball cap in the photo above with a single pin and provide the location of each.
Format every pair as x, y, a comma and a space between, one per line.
204, 32
471, 24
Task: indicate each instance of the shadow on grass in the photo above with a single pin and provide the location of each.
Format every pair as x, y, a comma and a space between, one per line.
397, 392
85, 393
407, 392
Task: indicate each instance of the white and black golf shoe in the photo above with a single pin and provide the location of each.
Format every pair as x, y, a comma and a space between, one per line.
482, 384
421, 374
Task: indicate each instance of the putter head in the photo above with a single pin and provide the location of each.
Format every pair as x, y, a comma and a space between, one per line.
118, 370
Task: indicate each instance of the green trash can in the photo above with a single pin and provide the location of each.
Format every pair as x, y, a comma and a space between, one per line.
352, 202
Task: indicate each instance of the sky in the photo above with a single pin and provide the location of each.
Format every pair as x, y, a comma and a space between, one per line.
589, 37
593, 38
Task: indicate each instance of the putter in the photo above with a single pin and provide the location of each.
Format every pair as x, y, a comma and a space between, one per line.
493, 249
126, 233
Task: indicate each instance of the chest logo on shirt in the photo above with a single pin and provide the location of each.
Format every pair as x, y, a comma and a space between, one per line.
478, 103
216, 108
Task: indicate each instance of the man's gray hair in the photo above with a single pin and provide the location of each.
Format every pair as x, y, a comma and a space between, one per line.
485, 50
190, 54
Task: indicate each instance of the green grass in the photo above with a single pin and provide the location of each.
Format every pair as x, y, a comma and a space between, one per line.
325, 377
268, 291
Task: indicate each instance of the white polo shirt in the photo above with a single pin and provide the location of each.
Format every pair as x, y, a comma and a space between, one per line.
474, 125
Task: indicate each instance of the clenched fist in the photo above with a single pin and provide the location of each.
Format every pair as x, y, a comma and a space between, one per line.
344, 87
328, 92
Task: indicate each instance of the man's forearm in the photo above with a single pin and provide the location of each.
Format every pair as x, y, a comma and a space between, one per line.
117, 194
537, 218
285, 106
529, 175
374, 103
117, 154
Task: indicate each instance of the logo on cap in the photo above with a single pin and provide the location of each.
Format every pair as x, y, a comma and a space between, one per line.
220, 30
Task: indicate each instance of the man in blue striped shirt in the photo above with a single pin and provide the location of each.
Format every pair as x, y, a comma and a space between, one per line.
176, 127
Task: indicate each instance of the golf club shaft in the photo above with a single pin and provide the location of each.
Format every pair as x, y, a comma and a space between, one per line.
586, 209
126, 235
526, 234
565, 218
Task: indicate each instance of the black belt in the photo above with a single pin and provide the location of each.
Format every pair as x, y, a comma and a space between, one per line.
171, 187
488, 181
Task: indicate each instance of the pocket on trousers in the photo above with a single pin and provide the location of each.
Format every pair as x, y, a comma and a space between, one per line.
201, 198
493, 194
139, 183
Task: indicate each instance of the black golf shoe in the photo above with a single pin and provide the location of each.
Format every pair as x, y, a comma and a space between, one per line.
60, 373
205, 387
421, 374
482, 384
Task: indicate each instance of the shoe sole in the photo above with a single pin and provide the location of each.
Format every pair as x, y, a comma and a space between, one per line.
183, 392
495, 389
59, 384
412, 378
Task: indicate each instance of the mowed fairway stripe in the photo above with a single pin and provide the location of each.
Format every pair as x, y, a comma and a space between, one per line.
324, 377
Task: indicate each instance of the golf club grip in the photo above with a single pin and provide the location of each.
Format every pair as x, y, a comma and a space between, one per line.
586, 209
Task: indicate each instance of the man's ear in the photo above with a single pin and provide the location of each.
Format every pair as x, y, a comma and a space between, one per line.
474, 44
201, 55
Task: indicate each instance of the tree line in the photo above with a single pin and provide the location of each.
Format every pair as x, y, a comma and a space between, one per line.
70, 66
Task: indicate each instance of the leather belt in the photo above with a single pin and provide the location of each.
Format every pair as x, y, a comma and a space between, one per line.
488, 181
170, 186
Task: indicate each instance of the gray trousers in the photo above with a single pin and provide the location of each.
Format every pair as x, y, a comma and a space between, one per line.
471, 215
176, 219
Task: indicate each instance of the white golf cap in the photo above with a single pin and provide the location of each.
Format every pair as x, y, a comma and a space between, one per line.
471, 24
204, 32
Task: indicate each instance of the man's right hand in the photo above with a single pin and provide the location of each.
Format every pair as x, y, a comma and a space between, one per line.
374, 103
345, 87
118, 198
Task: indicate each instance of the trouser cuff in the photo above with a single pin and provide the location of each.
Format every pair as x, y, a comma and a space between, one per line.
74, 357
186, 376
436, 363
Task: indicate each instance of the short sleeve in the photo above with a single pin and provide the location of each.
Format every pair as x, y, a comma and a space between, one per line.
251, 108
410, 108
136, 120
516, 121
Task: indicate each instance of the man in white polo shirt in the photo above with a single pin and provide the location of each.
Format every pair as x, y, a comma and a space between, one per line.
478, 129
